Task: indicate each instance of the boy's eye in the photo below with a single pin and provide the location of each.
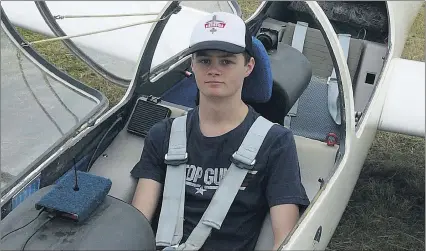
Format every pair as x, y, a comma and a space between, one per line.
204, 61
226, 62
207, 61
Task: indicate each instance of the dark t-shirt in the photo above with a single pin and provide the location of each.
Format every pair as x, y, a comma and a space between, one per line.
275, 179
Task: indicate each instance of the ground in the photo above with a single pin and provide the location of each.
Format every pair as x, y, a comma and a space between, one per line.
386, 210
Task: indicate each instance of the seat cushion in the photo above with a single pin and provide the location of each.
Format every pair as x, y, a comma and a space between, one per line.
258, 86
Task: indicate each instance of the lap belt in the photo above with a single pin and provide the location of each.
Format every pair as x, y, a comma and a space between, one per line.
297, 43
242, 161
333, 89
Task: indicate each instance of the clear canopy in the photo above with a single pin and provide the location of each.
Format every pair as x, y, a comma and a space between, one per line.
37, 110
118, 51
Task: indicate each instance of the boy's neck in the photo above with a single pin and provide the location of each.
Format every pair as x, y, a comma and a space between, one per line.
218, 117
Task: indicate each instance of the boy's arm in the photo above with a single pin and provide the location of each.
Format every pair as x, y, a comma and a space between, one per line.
284, 218
150, 171
146, 197
285, 192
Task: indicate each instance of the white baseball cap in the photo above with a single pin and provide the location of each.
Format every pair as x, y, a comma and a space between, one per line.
220, 31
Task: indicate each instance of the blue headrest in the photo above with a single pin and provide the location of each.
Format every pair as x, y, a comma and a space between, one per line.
257, 87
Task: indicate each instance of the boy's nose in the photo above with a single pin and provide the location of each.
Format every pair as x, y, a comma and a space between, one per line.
214, 69
213, 72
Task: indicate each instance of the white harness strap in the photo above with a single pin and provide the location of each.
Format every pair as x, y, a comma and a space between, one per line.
170, 225
242, 161
333, 89
298, 42
299, 35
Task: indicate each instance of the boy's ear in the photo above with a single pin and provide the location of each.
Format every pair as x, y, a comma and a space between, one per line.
192, 62
250, 66
192, 66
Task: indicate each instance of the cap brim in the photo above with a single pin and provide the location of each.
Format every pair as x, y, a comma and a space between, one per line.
215, 45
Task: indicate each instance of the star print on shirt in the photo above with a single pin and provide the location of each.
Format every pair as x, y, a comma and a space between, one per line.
200, 190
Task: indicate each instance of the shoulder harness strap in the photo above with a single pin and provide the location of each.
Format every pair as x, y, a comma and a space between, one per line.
242, 161
170, 225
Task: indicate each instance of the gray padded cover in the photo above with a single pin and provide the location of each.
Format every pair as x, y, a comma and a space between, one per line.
114, 225
117, 161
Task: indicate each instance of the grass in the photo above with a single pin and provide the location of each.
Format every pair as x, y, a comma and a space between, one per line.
386, 209
57, 54
415, 46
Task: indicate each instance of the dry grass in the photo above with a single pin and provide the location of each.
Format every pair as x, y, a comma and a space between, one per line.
248, 7
415, 45
386, 210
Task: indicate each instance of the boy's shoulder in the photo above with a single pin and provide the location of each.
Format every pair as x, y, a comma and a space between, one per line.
162, 128
277, 131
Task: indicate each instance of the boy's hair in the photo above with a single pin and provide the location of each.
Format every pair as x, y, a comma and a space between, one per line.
245, 54
246, 57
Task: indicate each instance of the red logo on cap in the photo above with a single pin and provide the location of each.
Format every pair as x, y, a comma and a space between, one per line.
214, 23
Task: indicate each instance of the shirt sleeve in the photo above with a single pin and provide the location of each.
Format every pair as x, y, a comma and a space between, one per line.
284, 184
151, 164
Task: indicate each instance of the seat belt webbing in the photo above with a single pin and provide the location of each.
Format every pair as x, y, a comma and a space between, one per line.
170, 225
298, 42
333, 89
299, 35
242, 161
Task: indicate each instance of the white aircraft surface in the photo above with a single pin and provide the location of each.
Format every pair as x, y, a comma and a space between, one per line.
337, 77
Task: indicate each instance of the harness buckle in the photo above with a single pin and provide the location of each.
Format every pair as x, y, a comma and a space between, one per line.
331, 79
241, 162
176, 160
170, 248
331, 139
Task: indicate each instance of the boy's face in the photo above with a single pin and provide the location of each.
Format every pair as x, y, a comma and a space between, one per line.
220, 74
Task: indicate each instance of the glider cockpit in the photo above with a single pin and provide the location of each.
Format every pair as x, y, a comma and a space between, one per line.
290, 86
270, 96
294, 80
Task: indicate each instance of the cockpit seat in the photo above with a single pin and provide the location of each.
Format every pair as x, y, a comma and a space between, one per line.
275, 84
292, 73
